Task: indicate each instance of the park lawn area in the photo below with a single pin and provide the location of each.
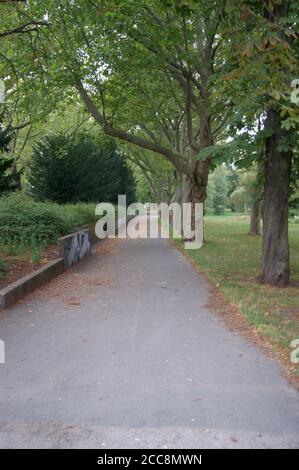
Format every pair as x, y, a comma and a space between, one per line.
231, 259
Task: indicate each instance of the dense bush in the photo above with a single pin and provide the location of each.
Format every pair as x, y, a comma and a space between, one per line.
6, 177
80, 170
3, 268
26, 222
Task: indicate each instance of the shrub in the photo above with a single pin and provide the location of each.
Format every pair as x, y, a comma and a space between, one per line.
81, 170
6, 164
26, 222
3, 269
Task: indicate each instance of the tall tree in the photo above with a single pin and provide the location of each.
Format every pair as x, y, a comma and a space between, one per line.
264, 60
135, 65
279, 156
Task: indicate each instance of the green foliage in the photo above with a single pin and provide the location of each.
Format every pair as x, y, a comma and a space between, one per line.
231, 188
6, 178
36, 254
79, 170
217, 191
5, 137
155, 177
3, 269
242, 149
241, 198
133, 58
27, 223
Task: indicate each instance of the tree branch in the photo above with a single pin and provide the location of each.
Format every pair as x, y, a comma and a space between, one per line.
175, 158
25, 28
192, 142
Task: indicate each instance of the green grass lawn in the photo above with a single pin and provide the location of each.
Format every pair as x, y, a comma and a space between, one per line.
231, 259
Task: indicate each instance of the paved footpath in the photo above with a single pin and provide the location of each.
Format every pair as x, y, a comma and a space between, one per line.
121, 352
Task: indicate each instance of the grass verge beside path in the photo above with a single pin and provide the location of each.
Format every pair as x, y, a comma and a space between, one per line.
230, 258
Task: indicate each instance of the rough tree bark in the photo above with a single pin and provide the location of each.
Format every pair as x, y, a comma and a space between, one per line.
16, 177
193, 186
255, 216
255, 223
275, 259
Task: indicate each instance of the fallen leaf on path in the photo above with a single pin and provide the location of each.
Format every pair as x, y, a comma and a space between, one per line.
73, 301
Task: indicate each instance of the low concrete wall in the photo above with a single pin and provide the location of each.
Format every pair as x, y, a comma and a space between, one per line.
91, 228
74, 247
16, 291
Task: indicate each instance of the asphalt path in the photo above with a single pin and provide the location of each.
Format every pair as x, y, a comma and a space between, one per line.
122, 352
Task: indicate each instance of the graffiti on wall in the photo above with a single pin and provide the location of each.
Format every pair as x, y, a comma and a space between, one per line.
76, 247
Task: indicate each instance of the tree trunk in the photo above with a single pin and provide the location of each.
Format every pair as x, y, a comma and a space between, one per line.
255, 217
17, 178
255, 225
275, 259
193, 187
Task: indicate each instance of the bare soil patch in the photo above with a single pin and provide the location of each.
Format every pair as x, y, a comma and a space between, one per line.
19, 266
